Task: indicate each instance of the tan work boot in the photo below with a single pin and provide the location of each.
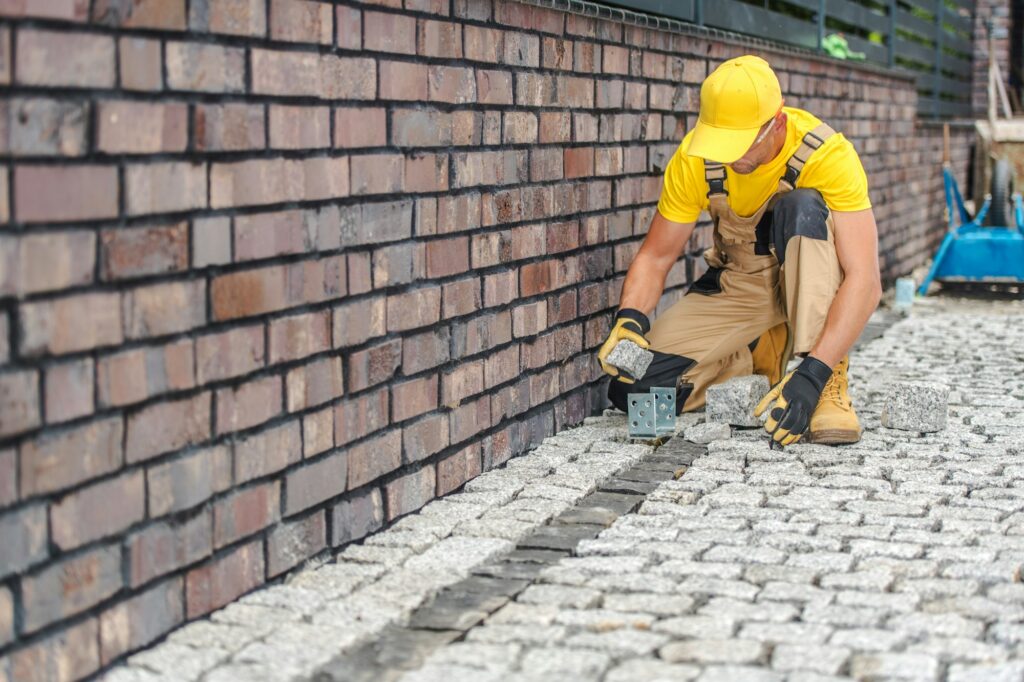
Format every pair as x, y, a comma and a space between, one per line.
767, 354
834, 422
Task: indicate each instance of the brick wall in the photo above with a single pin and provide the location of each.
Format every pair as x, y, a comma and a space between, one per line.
998, 13
273, 273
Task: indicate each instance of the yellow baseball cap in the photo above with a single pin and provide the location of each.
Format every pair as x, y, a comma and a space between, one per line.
736, 99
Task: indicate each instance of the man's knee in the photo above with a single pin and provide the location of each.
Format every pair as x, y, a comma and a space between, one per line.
664, 372
800, 213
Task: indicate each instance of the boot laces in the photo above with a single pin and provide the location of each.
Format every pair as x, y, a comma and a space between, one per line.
833, 388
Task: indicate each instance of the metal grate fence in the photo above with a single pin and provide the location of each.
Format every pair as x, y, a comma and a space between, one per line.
931, 39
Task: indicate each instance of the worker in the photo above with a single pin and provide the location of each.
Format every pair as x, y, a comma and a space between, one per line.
793, 270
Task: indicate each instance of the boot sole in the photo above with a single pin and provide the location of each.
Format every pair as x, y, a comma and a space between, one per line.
834, 437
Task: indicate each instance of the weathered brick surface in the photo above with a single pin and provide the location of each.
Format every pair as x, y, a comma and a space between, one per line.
356, 253
70, 586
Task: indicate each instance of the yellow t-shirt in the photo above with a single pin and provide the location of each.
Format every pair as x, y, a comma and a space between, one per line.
834, 170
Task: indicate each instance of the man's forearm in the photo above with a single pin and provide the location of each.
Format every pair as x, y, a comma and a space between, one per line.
644, 283
853, 304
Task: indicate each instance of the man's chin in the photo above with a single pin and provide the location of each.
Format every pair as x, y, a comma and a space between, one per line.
742, 169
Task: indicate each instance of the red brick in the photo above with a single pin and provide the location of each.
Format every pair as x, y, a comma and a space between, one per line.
299, 336
317, 432
422, 351
416, 308
267, 452
410, 492
69, 391
231, 17
266, 235
350, 27
169, 426
245, 512
33, 263
78, 60
451, 84
165, 187
125, 127
457, 468
70, 586
269, 181
529, 319
555, 126
556, 53
141, 64
248, 404
6, 616
545, 164
403, 81
39, 126
373, 458
60, 459
460, 297
440, 39
142, 251
495, 248
87, 192
389, 33
164, 309
229, 354
24, 536
228, 577
579, 162
134, 375
357, 516
8, 476
483, 44
229, 127
310, 74
521, 49
359, 321
562, 308
494, 87
458, 213
610, 95
66, 10
5, 204
466, 380
377, 173
501, 366
299, 127
211, 241
374, 364
19, 402
141, 620
165, 547
357, 417
469, 420
276, 287
315, 482
159, 14
360, 126
447, 257
413, 397
425, 437
501, 288
291, 543
481, 333
188, 481
204, 68
54, 658
426, 172
98, 511
314, 383
5, 56
70, 324
520, 127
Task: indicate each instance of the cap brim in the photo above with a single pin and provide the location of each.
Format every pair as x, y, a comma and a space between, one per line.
724, 145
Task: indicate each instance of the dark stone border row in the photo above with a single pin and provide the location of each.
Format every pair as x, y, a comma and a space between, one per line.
457, 608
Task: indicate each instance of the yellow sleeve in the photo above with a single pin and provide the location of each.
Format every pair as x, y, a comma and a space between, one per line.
680, 199
835, 170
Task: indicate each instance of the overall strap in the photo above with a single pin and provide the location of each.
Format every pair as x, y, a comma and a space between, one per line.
714, 174
811, 142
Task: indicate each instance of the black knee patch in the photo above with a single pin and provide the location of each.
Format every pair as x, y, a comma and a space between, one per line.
664, 372
800, 213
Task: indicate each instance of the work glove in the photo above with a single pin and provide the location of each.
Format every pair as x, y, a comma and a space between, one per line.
629, 324
795, 398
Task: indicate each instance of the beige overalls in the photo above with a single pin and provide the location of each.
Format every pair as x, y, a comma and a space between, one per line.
748, 288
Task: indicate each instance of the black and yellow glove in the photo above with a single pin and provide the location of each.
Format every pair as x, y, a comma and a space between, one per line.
629, 324
795, 398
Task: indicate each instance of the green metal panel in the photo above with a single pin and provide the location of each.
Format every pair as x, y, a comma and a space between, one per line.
683, 10
915, 51
857, 14
916, 25
744, 18
874, 52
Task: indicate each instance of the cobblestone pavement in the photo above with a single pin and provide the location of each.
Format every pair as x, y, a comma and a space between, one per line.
898, 558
